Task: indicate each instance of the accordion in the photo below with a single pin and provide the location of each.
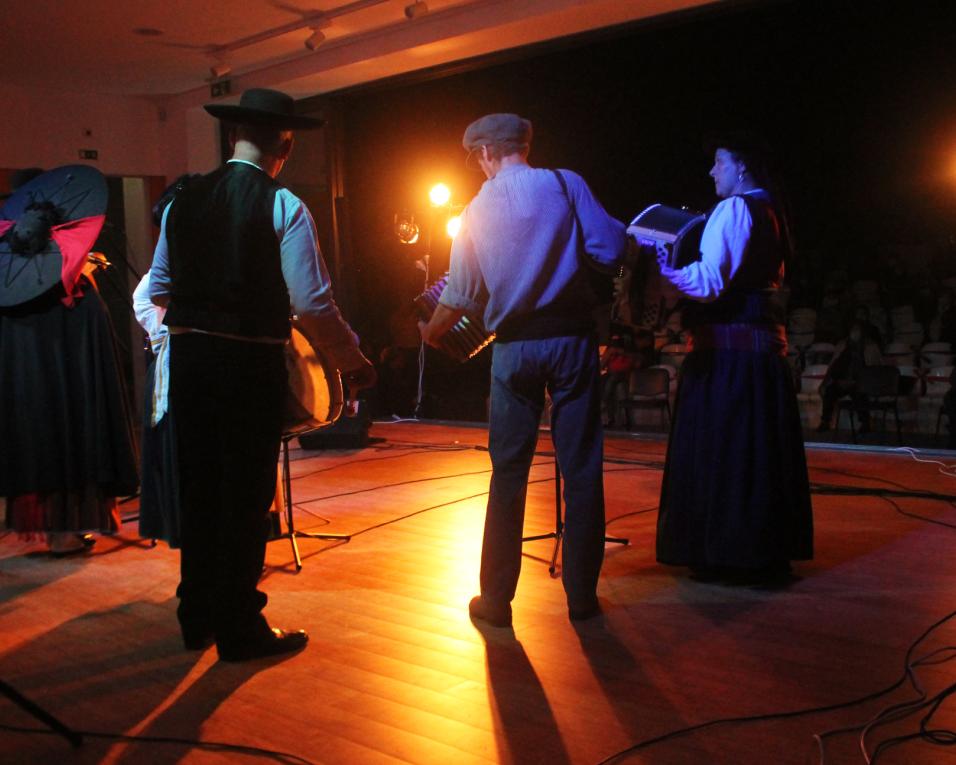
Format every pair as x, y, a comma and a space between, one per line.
463, 340
677, 231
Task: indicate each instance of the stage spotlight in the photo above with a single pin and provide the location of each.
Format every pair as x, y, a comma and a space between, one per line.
406, 229
315, 39
439, 194
453, 226
416, 9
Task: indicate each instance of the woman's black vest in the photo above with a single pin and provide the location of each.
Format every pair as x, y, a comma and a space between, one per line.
753, 297
224, 260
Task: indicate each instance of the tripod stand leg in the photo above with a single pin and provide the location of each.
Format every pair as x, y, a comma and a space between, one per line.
290, 521
287, 491
554, 555
41, 714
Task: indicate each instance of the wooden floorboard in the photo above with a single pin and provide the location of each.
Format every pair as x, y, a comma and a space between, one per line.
396, 673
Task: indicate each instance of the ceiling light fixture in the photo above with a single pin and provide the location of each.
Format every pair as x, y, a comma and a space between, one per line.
315, 39
219, 70
416, 9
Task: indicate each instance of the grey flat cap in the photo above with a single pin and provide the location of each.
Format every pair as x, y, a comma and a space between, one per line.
497, 128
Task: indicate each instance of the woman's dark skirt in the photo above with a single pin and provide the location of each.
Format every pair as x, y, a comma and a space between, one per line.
735, 491
67, 447
159, 496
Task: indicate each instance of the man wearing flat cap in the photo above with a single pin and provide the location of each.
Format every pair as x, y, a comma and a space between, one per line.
236, 251
521, 260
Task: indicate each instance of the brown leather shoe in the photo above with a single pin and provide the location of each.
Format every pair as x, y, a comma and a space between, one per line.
273, 643
494, 614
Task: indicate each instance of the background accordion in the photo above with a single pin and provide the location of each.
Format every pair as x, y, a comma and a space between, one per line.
676, 230
463, 340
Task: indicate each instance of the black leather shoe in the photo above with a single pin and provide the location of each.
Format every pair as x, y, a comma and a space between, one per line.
494, 614
197, 640
83, 543
272, 643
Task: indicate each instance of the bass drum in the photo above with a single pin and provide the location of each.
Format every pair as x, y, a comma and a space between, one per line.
315, 396
676, 230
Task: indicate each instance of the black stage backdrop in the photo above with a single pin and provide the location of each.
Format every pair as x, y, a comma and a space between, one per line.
858, 99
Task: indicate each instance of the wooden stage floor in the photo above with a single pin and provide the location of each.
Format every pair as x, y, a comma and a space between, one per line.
396, 673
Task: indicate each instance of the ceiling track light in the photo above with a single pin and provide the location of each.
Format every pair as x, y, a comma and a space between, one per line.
315, 39
415, 10
219, 70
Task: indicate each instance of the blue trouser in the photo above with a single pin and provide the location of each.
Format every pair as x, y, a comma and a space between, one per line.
567, 367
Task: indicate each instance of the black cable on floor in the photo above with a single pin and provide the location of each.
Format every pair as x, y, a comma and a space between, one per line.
781, 715
212, 746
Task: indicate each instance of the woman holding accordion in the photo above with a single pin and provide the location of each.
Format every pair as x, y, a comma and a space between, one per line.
735, 497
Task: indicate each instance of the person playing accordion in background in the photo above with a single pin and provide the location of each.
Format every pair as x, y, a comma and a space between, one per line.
735, 497
518, 260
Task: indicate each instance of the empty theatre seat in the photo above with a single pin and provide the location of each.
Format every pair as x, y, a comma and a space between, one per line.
673, 355
899, 354
819, 353
936, 355
910, 335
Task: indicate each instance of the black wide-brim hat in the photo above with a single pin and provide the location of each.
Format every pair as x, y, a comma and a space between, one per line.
76, 194
740, 141
264, 107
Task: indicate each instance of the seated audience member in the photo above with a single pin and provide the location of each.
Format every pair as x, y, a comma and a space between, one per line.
617, 361
870, 331
943, 326
851, 355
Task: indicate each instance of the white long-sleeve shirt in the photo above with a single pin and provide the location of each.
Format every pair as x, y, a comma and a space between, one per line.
150, 318
724, 245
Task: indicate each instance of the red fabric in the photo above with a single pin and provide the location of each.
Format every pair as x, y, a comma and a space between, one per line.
5, 226
75, 240
27, 514
619, 361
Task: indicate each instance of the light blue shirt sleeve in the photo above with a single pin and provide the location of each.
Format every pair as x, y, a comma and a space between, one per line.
159, 270
465, 287
307, 279
605, 238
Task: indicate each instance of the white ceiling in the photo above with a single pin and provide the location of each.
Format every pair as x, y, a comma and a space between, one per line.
91, 46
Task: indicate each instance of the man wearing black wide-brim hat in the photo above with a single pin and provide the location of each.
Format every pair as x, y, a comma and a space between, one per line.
235, 250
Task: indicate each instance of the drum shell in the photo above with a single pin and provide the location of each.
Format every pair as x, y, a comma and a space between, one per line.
315, 398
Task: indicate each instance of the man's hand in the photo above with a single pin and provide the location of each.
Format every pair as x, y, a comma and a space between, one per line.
428, 336
363, 376
441, 322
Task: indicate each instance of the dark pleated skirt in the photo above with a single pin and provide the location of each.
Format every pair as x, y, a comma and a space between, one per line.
735, 490
159, 495
64, 413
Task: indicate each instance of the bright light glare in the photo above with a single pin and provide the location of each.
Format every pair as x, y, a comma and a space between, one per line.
440, 194
453, 226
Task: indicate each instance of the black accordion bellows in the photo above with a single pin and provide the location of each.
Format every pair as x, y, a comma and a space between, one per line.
467, 337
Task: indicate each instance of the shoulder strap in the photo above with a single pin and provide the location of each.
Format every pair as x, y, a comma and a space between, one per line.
564, 187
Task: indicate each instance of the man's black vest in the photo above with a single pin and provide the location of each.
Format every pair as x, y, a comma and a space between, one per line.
224, 260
